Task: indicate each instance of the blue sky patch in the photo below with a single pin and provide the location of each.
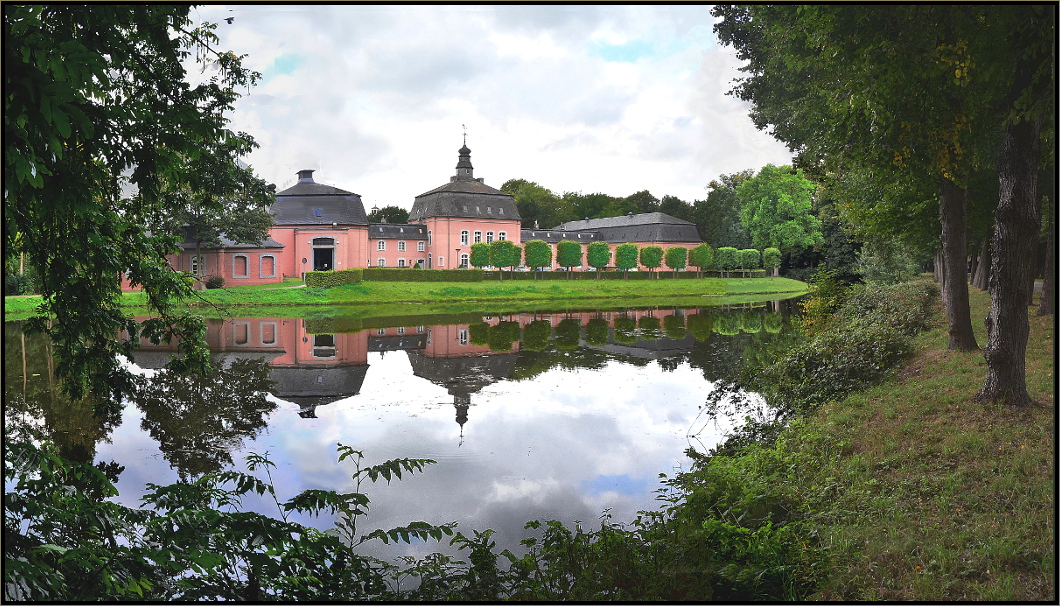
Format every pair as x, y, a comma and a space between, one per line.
284, 64
622, 484
622, 53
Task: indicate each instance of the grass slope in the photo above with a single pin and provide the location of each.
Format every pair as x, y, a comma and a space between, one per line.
922, 494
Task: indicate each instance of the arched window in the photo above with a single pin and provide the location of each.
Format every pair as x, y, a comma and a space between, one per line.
381, 245
489, 237
401, 263
380, 262
196, 262
502, 235
421, 246
478, 237
464, 237
239, 266
464, 259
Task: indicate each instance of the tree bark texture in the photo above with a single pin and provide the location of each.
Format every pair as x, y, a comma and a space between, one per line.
1017, 222
1047, 304
936, 268
981, 279
953, 212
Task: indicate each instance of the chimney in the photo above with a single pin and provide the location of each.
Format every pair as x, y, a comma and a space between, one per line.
305, 176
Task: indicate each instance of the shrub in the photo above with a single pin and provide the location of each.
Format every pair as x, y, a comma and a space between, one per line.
536, 335
701, 325
725, 258
596, 332
674, 326
625, 330
771, 258
329, 279
826, 296
215, 281
401, 274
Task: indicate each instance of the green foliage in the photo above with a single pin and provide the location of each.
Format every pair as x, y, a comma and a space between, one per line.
651, 257
389, 214
887, 262
479, 333
538, 207
501, 336
775, 207
568, 254
726, 323
329, 279
702, 256
771, 258
96, 99
537, 254
405, 274
701, 325
536, 335
774, 322
726, 258
568, 333
626, 257
674, 326
480, 255
650, 327
598, 255
827, 295
215, 281
625, 330
718, 217
504, 253
676, 258
596, 331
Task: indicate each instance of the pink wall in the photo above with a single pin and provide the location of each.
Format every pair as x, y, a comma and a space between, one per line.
445, 237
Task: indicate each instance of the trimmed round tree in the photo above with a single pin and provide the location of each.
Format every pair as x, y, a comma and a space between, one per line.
537, 254
676, 258
503, 253
725, 259
480, 254
702, 256
771, 259
598, 255
568, 254
750, 259
626, 257
651, 257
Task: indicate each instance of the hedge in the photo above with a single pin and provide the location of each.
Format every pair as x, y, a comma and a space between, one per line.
406, 274
609, 275
328, 279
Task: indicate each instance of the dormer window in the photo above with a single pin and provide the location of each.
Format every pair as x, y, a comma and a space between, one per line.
319, 212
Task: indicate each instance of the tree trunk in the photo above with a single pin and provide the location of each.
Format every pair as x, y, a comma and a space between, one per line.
953, 211
1017, 222
936, 267
982, 273
1047, 304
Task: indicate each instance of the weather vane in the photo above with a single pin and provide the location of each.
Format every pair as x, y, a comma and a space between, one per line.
465, 134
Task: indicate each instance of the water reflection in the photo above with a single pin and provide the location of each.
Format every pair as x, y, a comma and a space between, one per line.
532, 415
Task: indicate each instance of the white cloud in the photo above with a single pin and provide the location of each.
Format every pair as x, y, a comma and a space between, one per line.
374, 97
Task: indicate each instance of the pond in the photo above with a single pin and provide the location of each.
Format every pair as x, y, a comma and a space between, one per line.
530, 416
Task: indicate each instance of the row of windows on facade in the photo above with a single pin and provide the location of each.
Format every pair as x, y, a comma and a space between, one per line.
381, 262
465, 239
240, 266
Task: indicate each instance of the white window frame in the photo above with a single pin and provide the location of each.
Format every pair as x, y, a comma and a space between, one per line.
465, 259
478, 237
381, 245
380, 262
502, 235
464, 237
430, 238
421, 246
489, 237
401, 263
401, 246
246, 266
441, 261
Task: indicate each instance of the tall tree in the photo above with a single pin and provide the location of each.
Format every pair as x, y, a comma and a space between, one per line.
701, 256
389, 214
503, 253
718, 217
538, 206
480, 254
775, 207
651, 257
96, 98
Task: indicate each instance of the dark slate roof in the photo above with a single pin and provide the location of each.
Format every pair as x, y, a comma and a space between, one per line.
553, 236
465, 199
645, 227
397, 231
309, 385
310, 203
463, 375
226, 243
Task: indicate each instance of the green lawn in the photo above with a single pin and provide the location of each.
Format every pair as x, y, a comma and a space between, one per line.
449, 297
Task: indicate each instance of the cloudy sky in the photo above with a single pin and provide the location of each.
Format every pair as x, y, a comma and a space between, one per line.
611, 99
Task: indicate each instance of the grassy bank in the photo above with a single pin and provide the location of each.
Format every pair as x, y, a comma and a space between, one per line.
391, 298
914, 491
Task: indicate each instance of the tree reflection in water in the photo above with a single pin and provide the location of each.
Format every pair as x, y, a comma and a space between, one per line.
199, 421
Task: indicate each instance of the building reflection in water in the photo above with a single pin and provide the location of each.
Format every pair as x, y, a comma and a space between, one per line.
313, 370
